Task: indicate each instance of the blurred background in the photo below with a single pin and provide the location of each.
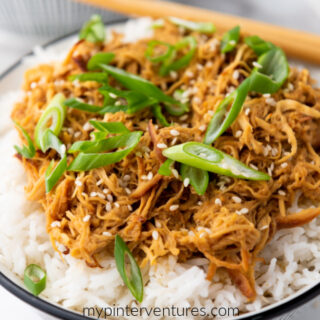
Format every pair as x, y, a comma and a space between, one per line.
26, 23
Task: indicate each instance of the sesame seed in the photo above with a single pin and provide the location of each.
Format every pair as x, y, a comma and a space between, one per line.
191, 234
99, 182
266, 95
281, 193
203, 127
173, 74
87, 126
235, 74
189, 74
33, 85
127, 177
290, 86
83, 194
150, 176
186, 182
199, 66
155, 235
238, 134
118, 103
253, 166
174, 140
105, 190
175, 173
77, 134
202, 234
174, 132
284, 165
101, 195
218, 202
264, 227
271, 102
128, 191
236, 199
209, 64
199, 203
247, 111
108, 206
158, 224
144, 177
86, 218
117, 205
110, 197
129, 207
274, 151
270, 169
184, 117
106, 233
162, 145
78, 183
196, 100
112, 95
173, 207
55, 224
257, 65
93, 194
242, 211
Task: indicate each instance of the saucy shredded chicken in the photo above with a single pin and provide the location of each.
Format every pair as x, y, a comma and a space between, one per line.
158, 215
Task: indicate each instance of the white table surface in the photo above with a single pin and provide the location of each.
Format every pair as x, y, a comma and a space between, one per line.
12, 47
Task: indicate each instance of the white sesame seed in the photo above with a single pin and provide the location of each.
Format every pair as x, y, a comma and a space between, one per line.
184, 117
218, 202
78, 183
199, 66
209, 64
155, 235
173, 74
266, 95
55, 224
99, 182
199, 203
174, 140
186, 182
106, 233
264, 227
174, 132
203, 127
189, 74
101, 195
158, 224
191, 234
238, 134
86, 218
284, 165
290, 86
83, 194
242, 211
202, 234
87, 126
196, 100
270, 169
173, 207
108, 206
144, 177
253, 166
129, 207
127, 177
77, 134
281, 193
150, 176
247, 111
162, 145
235, 74
236, 199
128, 191
33, 85
271, 102
274, 151
257, 65
117, 205
110, 197
112, 95
175, 173
93, 194
105, 190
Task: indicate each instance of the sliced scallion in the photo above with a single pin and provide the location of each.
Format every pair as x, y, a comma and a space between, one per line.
35, 279
26, 151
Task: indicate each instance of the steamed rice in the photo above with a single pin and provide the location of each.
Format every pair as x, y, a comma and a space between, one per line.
293, 256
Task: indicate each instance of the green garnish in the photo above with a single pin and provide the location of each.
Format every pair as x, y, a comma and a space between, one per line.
133, 278
93, 30
198, 178
35, 279
204, 157
157, 112
90, 76
230, 39
27, 151
166, 167
258, 45
204, 27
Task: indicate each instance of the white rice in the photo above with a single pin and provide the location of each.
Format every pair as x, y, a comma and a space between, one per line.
293, 256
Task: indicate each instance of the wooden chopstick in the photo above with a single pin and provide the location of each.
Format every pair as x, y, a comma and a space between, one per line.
296, 44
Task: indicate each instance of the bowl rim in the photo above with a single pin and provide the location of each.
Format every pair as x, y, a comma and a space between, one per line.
65, 314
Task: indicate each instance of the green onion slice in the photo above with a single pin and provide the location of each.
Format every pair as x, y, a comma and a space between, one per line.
207, 158
198, 178
204, 27
79, 105
35, 279
230, 39
132, 277
166, 167
157, 112
221, 120
159, 58
109, 127
93, 30
273, 72
100, 58
26, 151
52, 118
258, 45
91, 156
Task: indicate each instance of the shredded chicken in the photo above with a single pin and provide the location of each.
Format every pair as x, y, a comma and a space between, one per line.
233, 221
